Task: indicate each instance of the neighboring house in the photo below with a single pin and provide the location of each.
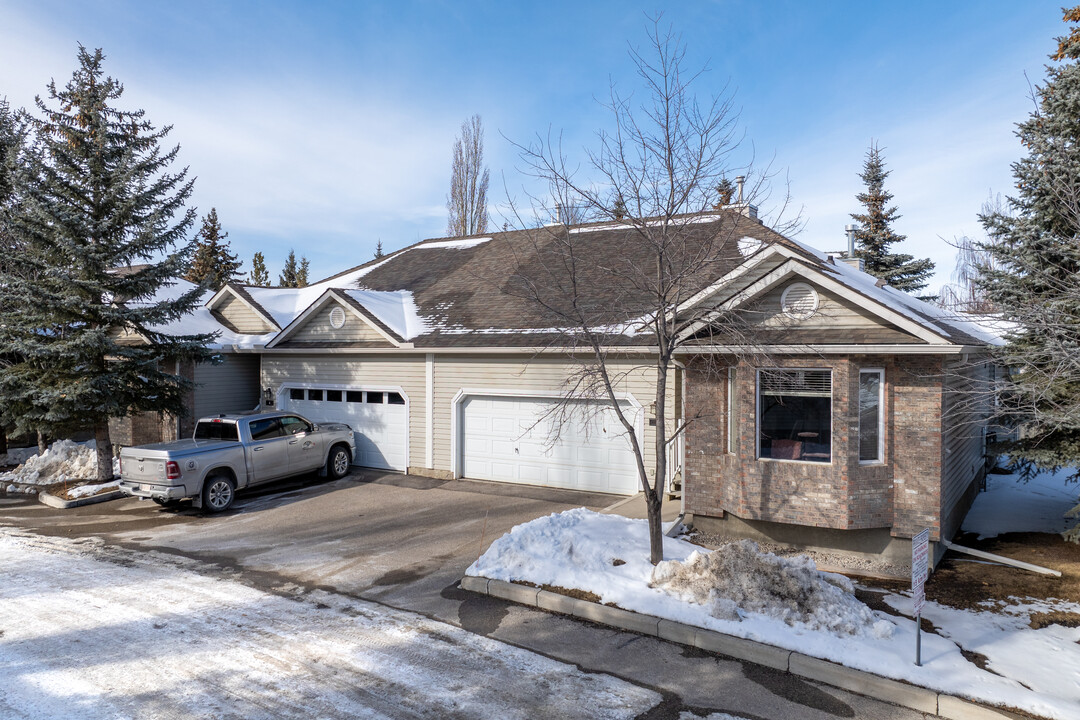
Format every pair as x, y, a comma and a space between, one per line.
844, 437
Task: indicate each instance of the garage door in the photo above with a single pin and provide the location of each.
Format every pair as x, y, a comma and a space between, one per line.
378, 418
501, 440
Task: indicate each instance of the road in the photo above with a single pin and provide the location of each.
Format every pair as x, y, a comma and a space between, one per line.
401, 543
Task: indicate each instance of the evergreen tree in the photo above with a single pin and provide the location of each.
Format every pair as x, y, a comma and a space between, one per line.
1031, 277
378, 249
874, 234
725, 191
12, 153
288, 275
618, 210
259, 275
98, 206
213, 265
302, 273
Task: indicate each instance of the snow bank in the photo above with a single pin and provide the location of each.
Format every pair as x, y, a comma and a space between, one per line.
739, 578
64, 461
87, 490
17, 456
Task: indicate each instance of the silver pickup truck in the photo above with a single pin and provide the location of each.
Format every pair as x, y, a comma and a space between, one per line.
232, 452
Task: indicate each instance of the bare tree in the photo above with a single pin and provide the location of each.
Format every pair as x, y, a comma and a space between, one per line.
466, 204
625, 302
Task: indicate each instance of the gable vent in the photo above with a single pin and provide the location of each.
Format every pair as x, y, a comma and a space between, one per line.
337, 317
799, 301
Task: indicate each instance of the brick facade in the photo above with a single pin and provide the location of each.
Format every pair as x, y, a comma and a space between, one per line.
901, 494
153, 427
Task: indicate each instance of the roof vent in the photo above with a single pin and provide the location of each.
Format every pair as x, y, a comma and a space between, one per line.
799, 301
337, 317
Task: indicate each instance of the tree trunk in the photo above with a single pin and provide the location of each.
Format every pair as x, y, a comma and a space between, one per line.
3, 441
42, 442
656, 527
104, 451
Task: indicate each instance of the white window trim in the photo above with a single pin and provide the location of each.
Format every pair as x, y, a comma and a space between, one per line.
731, 407
880, 372
757, 421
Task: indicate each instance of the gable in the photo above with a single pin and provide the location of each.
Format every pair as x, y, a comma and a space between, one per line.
238, 316
319, 328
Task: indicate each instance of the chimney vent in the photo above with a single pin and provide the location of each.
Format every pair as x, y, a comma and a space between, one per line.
850, 230
739, 182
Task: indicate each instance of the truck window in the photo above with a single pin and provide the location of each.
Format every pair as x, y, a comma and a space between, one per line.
294, 425
266, 429
216, 431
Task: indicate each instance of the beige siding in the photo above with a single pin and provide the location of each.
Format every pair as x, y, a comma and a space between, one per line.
524, 375
965, 406
230, 387
832, 312
317, 328
237, 314
359, 370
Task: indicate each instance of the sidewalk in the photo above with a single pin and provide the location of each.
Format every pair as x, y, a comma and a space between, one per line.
634, 507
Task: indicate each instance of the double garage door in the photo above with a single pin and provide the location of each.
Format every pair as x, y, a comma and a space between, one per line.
522, 440
379, 419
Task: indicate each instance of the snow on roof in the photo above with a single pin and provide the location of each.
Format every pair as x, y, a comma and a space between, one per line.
397, 310
451, 244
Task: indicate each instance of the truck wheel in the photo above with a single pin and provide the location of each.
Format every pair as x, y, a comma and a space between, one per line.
218, 493
337, 465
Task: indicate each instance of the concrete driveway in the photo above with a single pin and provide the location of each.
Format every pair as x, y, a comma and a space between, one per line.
405, 541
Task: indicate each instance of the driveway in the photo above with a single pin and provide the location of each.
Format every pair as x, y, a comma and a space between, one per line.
404, 542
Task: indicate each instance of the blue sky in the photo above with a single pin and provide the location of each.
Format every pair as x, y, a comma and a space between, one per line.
327, 126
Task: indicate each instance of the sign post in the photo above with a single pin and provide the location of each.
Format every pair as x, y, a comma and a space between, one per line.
920, 547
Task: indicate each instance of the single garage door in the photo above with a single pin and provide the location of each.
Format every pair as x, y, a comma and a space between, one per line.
501, 440
378, 417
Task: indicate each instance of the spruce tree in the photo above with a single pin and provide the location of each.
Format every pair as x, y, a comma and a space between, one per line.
378, 249
1031, 278
874, 235
102, 232
213, 265
289, 273
302, 273
259, 275
13, 149
725, 191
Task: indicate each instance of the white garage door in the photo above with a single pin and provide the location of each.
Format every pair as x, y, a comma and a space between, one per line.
378, 418
501, 440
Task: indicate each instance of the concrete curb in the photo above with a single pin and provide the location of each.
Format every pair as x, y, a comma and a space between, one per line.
856, 681
53, 501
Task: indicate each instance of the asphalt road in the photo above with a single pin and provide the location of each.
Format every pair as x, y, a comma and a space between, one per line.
404, 542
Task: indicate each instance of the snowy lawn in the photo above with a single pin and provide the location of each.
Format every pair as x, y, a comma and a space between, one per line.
65, 461
787, 603
90, 631
1011, 505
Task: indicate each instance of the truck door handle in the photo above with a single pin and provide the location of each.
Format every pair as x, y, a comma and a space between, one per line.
292, 442
257, 449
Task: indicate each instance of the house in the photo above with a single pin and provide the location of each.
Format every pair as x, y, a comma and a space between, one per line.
841, 427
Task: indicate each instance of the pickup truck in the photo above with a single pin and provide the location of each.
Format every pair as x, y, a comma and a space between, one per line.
231, 452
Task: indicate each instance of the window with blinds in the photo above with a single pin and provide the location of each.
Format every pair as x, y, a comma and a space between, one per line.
795, 415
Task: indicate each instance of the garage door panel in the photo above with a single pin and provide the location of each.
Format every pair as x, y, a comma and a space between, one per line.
507, 439
380, 429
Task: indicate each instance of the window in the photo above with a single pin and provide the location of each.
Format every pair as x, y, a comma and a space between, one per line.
871, 416
294, 425
375, 397
265, 429
216, 431
296, 394
354, 396
795, 415
314, 394
731, 432
394, 398
333, 396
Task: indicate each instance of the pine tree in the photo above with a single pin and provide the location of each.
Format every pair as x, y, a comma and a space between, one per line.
259, 276
618, 210
213, 265
12, 154
302, 273
725, 191
378, 249
97, 199
288, 275
874, 234
1034, 251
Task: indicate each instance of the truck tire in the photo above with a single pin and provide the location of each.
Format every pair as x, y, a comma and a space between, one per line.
218, 493
337, 463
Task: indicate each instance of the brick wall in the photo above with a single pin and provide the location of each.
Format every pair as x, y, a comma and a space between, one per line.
902, 493
153, 427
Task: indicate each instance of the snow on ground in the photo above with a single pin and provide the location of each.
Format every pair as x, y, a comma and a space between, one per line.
17, 456
89, 631
578, 549
87, 490
63, 461
1012, 505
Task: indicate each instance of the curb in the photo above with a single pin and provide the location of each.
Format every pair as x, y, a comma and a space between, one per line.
856, 681
53, 501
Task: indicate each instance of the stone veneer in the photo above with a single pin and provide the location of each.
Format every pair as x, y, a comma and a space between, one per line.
903, 494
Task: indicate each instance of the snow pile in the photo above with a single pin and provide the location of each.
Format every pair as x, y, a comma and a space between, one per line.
17, 456
739, 578
87, 490
64, 461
